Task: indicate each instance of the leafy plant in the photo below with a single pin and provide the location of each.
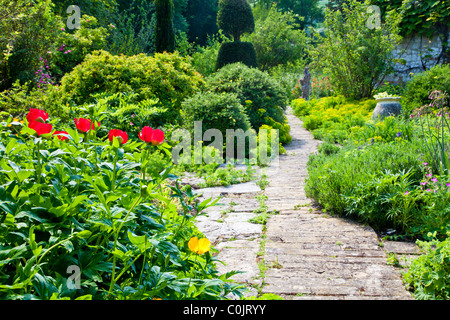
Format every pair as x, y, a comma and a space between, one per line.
419, 87
78, 202
277, 40
428, 275
260, 95
168, 78
356, 58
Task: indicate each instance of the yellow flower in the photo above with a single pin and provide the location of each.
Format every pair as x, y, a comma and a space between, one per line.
199, 246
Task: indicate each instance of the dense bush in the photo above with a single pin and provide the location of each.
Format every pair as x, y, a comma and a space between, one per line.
260, 95
70, 48
233, 52
421, 85
369, 182
277, 40
164, 30
76, 202
204, 59
235, 17
18, 100
333, 117
27, 31
355, 56
219, 111
169, 78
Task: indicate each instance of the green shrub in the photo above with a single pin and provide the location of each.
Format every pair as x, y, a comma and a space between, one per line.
277, 40
333, 118
204, 59
327, 148
166, 77
165, 33
332, 176
260, 95
428, 275
27, 31
71, 48
220, 111
18, 100
355, 56
421, 85
233, 52
235, 17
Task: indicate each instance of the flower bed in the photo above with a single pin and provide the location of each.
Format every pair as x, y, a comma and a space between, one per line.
79, 219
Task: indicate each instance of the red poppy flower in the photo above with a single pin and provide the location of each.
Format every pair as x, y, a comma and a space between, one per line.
37, 115
84, 125
119, 134
60, 136
40, 128
148, 135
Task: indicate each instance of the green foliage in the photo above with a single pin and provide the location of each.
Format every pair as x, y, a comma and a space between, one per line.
436, 130
85, 203
306, 12
20, 98
369, 182
424, 17
356, 57
276, 39
420, 86
235, 17
168, 78
204, 59
201, 16
27, 30
234, 52
225, 176
260, 95
125, 112
219, 111
71, 48
332, 118
429, 274
165, 34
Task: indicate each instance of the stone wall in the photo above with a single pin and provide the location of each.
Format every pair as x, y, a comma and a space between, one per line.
419, 53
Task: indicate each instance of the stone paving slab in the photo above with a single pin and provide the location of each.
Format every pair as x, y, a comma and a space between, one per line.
315, 257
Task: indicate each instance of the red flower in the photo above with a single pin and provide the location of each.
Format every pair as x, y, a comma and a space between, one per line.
84, 125
37, 115
40, 128
60, 136
119, 134
148, 135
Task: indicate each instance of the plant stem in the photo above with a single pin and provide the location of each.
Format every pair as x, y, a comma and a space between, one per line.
116, 158
39, 169
116, 236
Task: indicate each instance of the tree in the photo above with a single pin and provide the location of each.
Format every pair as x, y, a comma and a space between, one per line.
201, 16
356, 57
165, 34
27, 30
307, 12
277, 39
235, 17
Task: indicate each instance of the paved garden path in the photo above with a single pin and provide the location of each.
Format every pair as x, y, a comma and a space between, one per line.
300, 252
